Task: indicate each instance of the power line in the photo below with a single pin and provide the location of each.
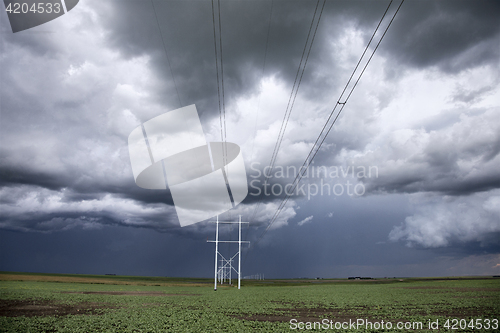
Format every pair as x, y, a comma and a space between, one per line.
166, 53
222, 81
349, 81
221, 96
309, 158
217, 70
291, 99
289, 106
308, 161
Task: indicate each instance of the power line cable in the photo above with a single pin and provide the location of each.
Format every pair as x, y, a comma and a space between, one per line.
289, 106
222, 83
308, 161
291, 99
217, 71
221, 96
349, 81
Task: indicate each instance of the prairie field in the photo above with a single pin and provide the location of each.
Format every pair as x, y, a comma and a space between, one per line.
92, 303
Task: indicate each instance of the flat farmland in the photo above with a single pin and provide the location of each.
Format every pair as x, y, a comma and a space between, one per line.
91, 303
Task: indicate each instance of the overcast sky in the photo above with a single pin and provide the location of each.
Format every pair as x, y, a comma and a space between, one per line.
412, 164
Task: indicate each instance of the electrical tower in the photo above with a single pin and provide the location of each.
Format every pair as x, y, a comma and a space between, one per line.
225, 269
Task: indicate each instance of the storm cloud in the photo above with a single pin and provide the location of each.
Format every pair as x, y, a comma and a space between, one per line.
425, 115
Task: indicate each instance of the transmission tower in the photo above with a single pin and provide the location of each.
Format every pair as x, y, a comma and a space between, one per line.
224, 270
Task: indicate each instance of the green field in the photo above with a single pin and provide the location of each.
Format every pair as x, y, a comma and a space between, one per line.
90, 303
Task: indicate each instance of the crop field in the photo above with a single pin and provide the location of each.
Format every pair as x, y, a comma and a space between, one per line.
90, 303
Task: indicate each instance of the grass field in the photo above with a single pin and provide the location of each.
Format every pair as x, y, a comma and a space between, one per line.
90, 303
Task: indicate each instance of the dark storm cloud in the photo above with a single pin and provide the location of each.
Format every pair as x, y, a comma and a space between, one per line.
111, 249
441, 221
187, 30
452, 35
18, 176
35, 209
77, 189
446, 185
487, 243
344, 245
435, 161
62, 156
56, 127
188, 35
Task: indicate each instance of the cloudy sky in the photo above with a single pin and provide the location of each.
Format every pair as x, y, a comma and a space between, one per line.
406, 184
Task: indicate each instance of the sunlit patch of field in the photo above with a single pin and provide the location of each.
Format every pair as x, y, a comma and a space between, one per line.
64, 303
